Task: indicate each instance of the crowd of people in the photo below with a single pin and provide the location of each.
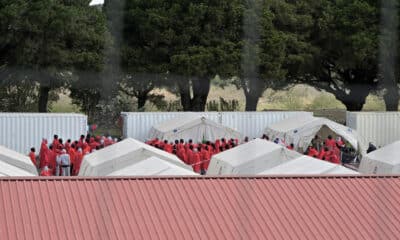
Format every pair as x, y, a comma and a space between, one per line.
64, 158
198, 155
328, 149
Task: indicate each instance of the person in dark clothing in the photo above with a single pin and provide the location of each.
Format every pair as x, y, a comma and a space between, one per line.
371, 147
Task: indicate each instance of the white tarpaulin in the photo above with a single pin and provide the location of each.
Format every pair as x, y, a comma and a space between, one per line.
15, 164
263, 157
253, 157
308, 165
385, 160
192, 126
132, 158
302, 129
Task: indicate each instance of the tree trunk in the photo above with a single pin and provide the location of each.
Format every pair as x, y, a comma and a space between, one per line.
392, 99
43, 98
184, 93
355, 99
142, 98
353, 105
251, 101
201, 89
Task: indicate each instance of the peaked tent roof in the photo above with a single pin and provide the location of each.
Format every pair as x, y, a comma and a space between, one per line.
263, 157
308, 165
385, 160
187, 208
131, 157
192, 126
301, 130
15, 164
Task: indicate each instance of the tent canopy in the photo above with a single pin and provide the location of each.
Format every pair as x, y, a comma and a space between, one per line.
263, 157
15, 164
308, 165
385, 160
130, 158
302, 129
192, 126
253, 157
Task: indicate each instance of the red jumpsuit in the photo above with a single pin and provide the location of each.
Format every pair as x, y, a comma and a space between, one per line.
78, 162
331, 157
205, 159
330, 143
182, 155
322, 154
312, 152
43, 154
168, 148
196, 162
189, 156
32, 156
46, 173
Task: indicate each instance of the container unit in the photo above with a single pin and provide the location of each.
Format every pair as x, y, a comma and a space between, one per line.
138, 124
21, 131
380, 128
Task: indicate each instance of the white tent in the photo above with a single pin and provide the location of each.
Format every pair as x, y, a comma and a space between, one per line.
385, 160
308, 165
131, 158
192, 126
253, 157
302, 129
263, 157
15, 164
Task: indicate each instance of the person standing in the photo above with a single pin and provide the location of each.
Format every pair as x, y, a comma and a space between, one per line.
65, 163
32, 156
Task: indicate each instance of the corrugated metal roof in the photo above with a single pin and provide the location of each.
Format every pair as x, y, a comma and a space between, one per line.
363, 207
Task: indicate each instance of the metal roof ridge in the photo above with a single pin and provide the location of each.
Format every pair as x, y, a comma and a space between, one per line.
238, 177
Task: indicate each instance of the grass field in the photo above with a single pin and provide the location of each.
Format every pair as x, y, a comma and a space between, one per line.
300, 97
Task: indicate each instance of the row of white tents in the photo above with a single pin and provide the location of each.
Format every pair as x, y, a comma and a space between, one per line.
132, 157
299, 130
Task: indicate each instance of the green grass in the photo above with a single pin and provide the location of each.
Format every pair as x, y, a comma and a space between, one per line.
64, 105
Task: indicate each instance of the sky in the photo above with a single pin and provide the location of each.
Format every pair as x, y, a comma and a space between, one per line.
95, 2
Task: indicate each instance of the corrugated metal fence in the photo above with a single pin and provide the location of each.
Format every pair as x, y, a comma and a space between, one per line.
21, 131
252, 124
380, 128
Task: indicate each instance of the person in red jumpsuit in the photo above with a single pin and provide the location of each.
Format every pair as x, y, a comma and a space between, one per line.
322, 153
77, 161
312, 152
32, 156
51, 156
43, 153
46, 172
205, 160
55, 142
290, 147
330, 143
196, 161
181, 154
72, 157
167, 147
331, 157
189, 155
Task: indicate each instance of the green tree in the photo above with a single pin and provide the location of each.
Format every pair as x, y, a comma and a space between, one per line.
51, 41
344, 44
389, 53
205, 44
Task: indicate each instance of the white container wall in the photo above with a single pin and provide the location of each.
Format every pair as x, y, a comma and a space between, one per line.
137, 125
21, 131
380, 128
